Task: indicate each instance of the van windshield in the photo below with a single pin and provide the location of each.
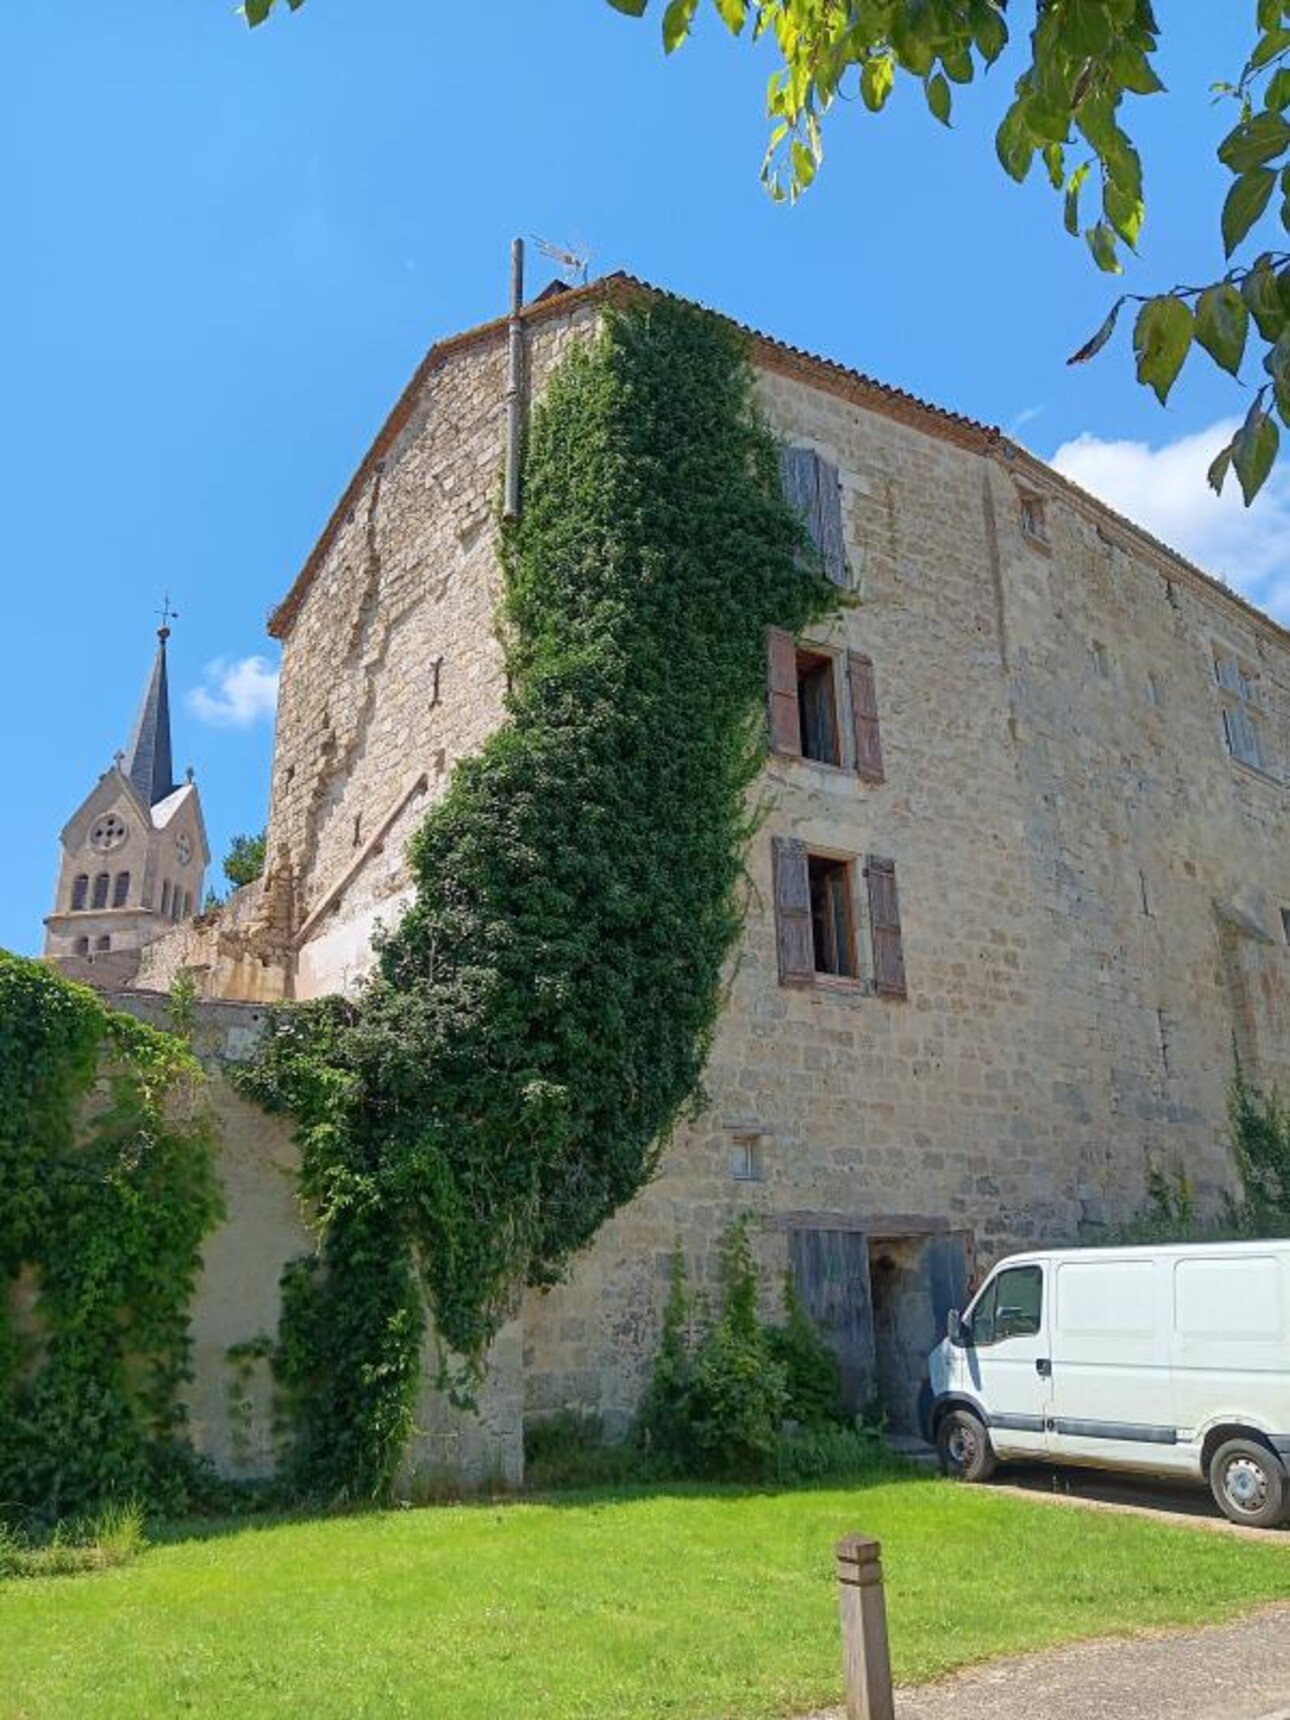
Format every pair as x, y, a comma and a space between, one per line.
1011, 1306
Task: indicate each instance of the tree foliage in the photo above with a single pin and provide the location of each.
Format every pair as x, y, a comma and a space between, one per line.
107, 1188
542, 1015
244, 862
1083, 66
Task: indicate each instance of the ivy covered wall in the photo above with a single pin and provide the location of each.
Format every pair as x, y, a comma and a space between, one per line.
541, 1017
107, 1188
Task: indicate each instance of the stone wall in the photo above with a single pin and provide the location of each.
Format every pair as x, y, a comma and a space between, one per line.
236, 1417
1090, 886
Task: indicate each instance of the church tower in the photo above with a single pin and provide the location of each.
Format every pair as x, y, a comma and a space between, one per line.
135, 851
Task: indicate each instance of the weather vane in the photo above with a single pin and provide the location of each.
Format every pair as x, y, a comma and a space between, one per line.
167, 616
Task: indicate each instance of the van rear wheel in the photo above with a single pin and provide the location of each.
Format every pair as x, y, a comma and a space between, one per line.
1249, 1484
963, 1446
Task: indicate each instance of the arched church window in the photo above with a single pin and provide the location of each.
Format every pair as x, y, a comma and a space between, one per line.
103, 943
120, 889
100, 890
165, 898
82, 946
109, 833
176, 903
188, 904
80, 891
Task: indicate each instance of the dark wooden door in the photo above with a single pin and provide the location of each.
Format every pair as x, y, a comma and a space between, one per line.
831, 1273
946, 1265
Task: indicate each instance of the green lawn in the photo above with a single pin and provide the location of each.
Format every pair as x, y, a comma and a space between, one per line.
704, 1604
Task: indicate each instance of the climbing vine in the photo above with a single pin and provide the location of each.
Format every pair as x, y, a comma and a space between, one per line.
107, 1187
541, 1017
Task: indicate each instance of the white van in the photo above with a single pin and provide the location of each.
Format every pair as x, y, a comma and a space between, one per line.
1167, 1361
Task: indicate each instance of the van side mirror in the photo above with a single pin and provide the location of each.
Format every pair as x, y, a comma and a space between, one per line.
954, 1328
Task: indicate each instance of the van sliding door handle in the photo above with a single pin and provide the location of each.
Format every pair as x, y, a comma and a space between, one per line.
1043, 1367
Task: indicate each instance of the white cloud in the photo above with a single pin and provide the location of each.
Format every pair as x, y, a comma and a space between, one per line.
1164, 489
236, 694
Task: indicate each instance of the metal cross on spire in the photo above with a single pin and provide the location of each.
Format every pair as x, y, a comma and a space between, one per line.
167, 616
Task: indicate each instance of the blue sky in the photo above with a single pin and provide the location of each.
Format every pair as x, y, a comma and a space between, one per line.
227, 251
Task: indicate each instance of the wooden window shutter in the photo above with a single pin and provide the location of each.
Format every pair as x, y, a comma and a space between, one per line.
812, 490
794, 938
828, 538
864, 716
884, 923
781, 675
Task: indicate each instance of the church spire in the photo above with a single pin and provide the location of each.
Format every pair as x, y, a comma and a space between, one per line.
147, 758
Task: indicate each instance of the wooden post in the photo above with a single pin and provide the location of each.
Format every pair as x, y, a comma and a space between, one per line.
866, 1664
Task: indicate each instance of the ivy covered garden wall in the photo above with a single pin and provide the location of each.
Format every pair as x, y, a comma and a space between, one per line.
541, 1018
107, 1187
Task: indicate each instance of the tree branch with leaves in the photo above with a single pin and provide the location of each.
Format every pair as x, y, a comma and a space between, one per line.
1087, 63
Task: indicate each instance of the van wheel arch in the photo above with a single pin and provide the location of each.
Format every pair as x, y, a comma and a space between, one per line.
1219, 1436
942, 1407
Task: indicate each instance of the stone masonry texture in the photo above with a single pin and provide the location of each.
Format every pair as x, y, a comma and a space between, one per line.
1091, 887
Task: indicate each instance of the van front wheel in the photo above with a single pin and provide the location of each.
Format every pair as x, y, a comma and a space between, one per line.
963, 1446
1249, 1484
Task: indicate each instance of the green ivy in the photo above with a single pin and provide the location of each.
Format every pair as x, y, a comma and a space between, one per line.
107, 1186
541, 1018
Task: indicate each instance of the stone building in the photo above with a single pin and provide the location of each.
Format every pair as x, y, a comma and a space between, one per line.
1021, 887
134, 853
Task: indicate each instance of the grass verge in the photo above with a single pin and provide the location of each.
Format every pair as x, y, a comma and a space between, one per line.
707, 1604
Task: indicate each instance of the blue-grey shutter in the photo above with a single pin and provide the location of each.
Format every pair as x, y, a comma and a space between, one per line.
830, 1270
813, 490
829, 538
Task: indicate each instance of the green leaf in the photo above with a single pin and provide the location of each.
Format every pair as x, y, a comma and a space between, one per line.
804, 165
1254, 449
1245, 202
1054, 157
876, 79
676, 23
633, 8
734, 14
1161, 338
1091, 348
1074, 185
990, 34
938, 98
1222, 323
256, 11
1124, 213
1217, 474
1262, 295
1101, 242
1277, 94
1013, 143
1254, 142
1277, 365
1133, 71
1275, 42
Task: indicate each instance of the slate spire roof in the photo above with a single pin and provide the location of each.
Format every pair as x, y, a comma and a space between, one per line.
147, 759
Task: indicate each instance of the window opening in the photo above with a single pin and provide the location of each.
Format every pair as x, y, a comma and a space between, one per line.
1285, 923
101, 890
745, 1158
82, 946
1239, 694
817, 708
165, 898
1033, 521
831, 918
103, 943
120, 889
80, 891
1012, 1307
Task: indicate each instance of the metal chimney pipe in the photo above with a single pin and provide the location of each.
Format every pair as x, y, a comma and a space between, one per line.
514, 385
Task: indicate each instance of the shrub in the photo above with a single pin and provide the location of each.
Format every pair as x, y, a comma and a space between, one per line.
734, 1398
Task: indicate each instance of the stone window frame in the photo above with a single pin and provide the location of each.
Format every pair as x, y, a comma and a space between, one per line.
1032, 517
746, 1162
1240, 706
